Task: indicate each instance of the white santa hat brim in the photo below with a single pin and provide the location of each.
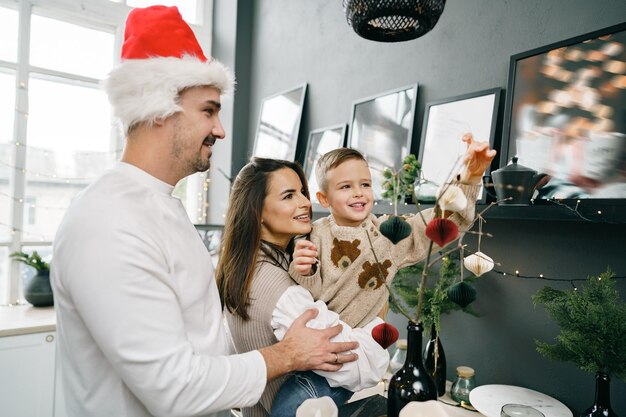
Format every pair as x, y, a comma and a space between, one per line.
145, 90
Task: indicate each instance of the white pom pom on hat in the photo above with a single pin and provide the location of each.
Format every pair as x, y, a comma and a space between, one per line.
160, 57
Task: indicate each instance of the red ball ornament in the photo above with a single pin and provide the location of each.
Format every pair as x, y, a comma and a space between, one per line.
385, 334
442, 231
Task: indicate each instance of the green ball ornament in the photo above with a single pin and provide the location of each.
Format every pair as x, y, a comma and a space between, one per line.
395, 229
462, 294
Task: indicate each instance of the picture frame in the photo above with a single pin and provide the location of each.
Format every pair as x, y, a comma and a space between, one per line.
564, 117
445, 122
381, 128
321, 141
211, 235
278, 125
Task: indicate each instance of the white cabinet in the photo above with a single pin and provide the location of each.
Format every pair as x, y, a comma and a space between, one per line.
27, 376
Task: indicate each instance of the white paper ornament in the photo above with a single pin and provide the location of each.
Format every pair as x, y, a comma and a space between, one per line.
317, 407
478, 263
452, 199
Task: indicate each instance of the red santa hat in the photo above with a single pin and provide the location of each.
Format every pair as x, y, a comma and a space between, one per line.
160, 57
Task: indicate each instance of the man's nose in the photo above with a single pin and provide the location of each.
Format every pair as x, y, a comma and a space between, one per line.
218, 130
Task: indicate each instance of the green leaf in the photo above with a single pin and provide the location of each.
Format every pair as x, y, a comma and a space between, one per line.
33, 260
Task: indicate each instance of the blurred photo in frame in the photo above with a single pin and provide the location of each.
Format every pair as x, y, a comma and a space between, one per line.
445, 123
381, 127
321, 141
565, 115
279, 124
211, 235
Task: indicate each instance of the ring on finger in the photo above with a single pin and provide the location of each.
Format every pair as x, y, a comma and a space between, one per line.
336, 358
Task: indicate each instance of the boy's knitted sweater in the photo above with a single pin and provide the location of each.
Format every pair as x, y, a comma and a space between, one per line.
346, 278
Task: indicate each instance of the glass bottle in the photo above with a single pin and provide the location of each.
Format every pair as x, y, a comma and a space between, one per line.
425, 190
398, 358
435, 360
412, 382
464, 383
602, 405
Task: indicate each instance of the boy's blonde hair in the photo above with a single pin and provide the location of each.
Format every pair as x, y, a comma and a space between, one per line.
333, 159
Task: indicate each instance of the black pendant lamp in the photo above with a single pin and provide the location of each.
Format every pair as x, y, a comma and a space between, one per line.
392, 20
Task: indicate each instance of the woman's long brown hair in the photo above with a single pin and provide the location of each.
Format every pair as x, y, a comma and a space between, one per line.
241, 242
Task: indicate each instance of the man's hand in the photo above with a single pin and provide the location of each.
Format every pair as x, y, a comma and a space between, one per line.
477, 159
304, 256
305, 349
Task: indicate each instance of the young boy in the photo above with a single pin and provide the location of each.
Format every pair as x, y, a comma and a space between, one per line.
346, 278
347, 275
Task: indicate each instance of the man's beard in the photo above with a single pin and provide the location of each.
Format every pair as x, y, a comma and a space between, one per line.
182, 142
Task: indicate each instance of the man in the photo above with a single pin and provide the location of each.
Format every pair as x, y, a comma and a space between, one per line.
139, 319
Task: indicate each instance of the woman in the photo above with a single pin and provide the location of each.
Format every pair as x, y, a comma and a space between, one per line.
269, 205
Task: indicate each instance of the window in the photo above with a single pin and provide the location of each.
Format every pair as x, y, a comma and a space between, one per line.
56, 134
191, 10
30, 205
8, 34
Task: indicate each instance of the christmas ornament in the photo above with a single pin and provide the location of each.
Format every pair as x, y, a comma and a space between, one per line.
395, 229
478, 263
385, 334
442, 231
451, 198
462, 294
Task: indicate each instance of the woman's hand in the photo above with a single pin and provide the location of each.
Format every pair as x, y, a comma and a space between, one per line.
477, 160
304, 256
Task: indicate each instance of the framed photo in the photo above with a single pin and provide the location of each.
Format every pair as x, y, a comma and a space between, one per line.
445, 123
211, 235
320, 142
565, 117
279, 124
381, 127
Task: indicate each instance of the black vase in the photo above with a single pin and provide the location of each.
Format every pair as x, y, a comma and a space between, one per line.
412, 382
38, 292
436, 367
602, 405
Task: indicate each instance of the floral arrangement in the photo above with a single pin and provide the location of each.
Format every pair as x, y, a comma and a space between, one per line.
33, 260
593, 326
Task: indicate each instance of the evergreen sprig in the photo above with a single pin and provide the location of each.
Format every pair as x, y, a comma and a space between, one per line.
33, 260
406, 285
399, 184
593, 326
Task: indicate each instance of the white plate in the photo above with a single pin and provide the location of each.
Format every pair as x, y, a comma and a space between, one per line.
489, 399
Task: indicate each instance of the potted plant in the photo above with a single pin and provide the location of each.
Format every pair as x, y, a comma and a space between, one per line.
38, 292
593, 333
406, 285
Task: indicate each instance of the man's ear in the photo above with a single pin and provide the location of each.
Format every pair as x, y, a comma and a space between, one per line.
321, 197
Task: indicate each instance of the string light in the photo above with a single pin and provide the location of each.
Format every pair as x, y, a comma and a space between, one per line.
577, 211
48, 151
14, 230
33, 205
545, 278
53, 176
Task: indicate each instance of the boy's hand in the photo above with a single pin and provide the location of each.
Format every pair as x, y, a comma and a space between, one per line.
304, 256
477, 159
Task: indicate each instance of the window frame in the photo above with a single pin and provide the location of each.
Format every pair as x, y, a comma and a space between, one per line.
95, 14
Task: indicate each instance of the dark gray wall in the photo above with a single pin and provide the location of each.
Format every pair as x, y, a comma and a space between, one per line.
309, 41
